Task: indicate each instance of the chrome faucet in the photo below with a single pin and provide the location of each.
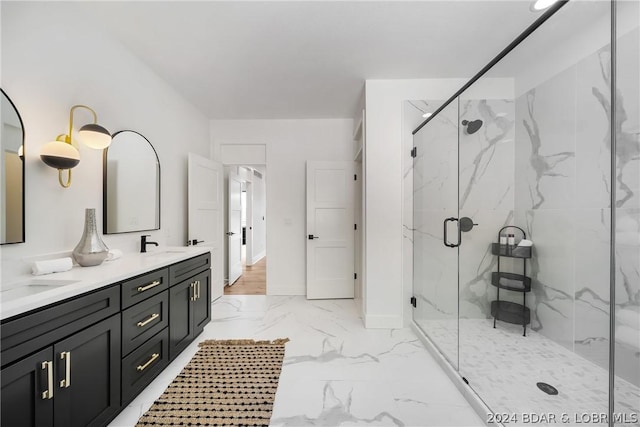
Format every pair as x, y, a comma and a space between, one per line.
144, 243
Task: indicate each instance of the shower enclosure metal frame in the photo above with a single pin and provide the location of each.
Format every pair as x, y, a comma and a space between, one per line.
613, 169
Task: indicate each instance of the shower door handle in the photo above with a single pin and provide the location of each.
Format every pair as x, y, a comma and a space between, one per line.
446, 240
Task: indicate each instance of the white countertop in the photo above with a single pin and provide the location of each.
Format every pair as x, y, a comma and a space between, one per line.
30, 292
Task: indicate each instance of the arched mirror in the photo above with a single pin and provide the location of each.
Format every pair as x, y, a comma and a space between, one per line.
11, 173
131, 184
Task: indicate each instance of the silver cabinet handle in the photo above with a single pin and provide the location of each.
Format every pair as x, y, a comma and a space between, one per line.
48, 393
154, 356
151, 318
149, 286
66, 356
198, 288
193, 291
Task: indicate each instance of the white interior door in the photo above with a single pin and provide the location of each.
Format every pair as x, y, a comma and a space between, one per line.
234, 227
249, 224
330, 234
205, 218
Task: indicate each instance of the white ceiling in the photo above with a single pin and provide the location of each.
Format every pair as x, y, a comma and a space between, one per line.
306, 59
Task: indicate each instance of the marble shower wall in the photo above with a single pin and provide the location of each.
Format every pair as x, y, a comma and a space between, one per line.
562, 200
627, 311
486, 195
435, 190
412, 117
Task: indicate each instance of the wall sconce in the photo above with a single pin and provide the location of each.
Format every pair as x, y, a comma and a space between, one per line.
62, 155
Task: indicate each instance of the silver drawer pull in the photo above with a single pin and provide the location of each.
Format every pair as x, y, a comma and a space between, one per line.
48, 393
198, 288
149, 286
154, 356
151, 318
66, 356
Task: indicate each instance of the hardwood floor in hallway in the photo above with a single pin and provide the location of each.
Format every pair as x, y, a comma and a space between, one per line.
252, 282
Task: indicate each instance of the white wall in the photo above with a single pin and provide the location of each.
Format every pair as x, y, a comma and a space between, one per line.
289, 144
51, 61
385, 298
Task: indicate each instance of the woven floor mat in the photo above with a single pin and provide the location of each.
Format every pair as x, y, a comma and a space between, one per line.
227, 383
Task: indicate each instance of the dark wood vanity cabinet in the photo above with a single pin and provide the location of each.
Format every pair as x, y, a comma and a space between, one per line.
189, 303
92, 395
23, 384
145, 338
72, 382
78, 362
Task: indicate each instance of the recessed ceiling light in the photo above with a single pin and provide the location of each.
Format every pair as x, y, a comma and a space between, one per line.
543, 4
426, 115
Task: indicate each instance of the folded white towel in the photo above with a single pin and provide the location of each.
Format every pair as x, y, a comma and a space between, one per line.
114, 254
51, 266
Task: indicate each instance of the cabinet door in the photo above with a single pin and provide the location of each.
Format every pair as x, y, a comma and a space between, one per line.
202, 305
181, 316
23, 385
88, 375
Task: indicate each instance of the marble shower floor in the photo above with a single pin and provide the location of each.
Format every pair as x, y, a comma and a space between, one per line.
335, 372
503, 367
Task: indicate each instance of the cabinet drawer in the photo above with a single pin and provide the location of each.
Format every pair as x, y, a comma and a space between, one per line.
144, 286
143, 365
185, 269
144, 320
31, 332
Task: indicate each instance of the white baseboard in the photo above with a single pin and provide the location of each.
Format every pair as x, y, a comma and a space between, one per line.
258, 257
284, 291
382, 321
472, 398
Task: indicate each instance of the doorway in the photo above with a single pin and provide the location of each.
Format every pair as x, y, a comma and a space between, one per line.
245, 249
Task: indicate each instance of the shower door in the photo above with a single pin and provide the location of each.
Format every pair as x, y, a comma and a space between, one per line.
435, 281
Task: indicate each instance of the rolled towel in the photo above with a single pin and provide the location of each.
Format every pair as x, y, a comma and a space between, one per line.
51, 266
114, 254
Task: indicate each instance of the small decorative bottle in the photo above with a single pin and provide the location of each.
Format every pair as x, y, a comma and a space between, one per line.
503, 240
90, 250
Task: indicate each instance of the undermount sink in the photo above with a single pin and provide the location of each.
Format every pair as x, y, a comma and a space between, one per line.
31, 287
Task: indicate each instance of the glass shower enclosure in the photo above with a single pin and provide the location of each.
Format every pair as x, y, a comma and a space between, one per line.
543, 146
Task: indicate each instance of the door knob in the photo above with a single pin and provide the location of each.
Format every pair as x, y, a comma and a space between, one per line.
466, 224
196, 241
311, 237
230, 233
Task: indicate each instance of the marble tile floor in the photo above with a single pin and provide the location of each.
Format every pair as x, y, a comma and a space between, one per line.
335, 372
503, 367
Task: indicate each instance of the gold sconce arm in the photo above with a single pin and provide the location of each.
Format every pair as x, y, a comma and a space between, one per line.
63, 155
95, 119
64, 184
